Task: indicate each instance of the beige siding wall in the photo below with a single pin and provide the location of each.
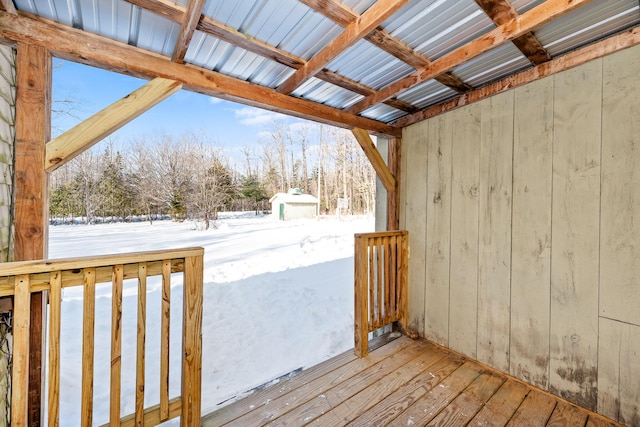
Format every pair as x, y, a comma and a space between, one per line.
524, 218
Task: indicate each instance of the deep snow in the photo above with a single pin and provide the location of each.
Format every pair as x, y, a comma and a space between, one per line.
278, 296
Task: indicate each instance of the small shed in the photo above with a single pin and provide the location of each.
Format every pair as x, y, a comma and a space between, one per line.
293, 205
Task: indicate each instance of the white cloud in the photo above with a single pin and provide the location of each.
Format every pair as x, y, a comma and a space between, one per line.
250, 116
213, 100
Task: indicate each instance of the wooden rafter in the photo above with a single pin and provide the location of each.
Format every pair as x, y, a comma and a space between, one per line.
501, 12
188, 27
352, 33
84, 135
376, 160
344, 16
523, 24
236, 38
76, 45
581, 56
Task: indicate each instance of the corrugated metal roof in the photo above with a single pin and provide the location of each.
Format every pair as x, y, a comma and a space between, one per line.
326, 93
286, 24
435, 28
214, 54
587, 24
430, 27
369, 65
493, 65
384, 113
428, 93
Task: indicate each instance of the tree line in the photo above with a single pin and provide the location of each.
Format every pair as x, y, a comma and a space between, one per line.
189, 176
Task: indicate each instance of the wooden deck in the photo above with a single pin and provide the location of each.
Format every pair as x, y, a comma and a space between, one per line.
402, 383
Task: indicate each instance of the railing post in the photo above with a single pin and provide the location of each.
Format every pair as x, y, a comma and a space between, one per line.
20, 370
361, 311
192, 342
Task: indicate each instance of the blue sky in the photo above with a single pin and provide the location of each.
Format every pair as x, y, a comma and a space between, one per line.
229, 125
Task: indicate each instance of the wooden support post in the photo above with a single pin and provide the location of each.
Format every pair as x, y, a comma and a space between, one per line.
33, 130
393, 197
192, 342
372, 153
361, 310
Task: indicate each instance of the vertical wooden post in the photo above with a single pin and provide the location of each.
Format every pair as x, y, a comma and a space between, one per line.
192, 342
33, 130
361, 311
393, 197
20, 370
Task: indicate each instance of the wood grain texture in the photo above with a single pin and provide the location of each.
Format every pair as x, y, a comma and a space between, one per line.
88, 335
576, 234
187, 29
465, 192
192, 342
20, 360
620, 234
531, 232
141, 338
618, 371
165, 338
116, 345
375, 158
415, 200
567, 415
494, 248
501, 406
438, 228
53, 382
94, 129
535, 410
361, 298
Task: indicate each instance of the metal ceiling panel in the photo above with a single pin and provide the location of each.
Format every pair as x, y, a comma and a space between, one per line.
286, 24
383, 113
114, 19
493, 65
326, 93
436, 27
427, 93
587, 24
521, 6
359, 6
217, 55
369, 65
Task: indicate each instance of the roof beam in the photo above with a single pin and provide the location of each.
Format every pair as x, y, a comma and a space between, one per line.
165, 8
375, 158
187, 28
352, 33
236, 38
508, 31
102, 124
344, 16
501, 12
573, 59
76, 45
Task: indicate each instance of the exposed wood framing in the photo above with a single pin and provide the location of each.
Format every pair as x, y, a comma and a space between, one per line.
188, 27
33, 121
523, 24
84, 135
501, 12
605, 47
164, 8
393, 198
352, 33
372, 153
95, 50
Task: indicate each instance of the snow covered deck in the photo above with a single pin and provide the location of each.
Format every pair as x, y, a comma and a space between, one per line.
402, 382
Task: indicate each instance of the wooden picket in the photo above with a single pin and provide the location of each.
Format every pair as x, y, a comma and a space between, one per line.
380, 284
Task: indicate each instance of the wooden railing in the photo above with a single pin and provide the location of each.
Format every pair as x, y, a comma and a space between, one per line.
380, 284
20, 279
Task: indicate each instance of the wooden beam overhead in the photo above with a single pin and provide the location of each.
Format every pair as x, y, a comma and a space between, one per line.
87, 48
334, 10
164, 8
578, 57
188, 27
102, 124
376, 160
523, 24
352, 33
501, 12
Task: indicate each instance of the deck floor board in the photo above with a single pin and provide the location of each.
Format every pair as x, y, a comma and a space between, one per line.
402, 382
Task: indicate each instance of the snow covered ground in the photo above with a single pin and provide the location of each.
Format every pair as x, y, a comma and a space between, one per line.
278, 296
